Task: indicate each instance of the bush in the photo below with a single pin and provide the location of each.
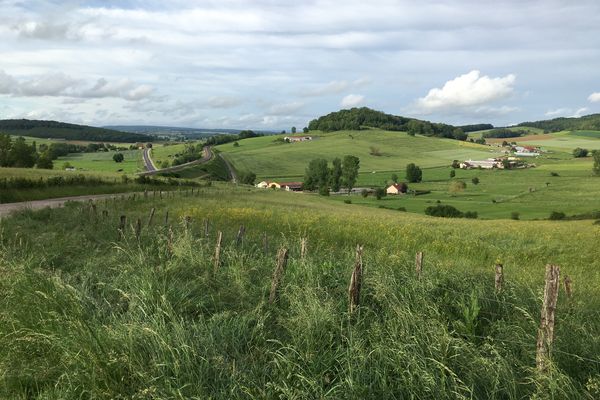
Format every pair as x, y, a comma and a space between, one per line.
247, 177
579, 152
443, 210
557, 216
554, 174
413, 173
402, 209
380, 193
515, 215
475, 181
457, 186
118, 157
471, 214
347, 201
364, 193
452, 173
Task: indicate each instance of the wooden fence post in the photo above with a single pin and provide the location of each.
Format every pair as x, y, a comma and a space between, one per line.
187, 221
170, 240
419, 264
355, 280
499, 279
217, 259
240, 235
121, 228
206, 228
145, 193
546, 330
160, 194
105, 213
282, 259
138, 228
152, 211
303, 248
568, 286
167, 218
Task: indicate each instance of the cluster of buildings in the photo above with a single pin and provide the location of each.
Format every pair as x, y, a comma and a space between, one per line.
295, 139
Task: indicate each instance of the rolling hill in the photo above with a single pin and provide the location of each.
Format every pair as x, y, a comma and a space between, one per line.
66, 131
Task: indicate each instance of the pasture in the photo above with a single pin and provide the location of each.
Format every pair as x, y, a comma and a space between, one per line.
103, 161
157, 319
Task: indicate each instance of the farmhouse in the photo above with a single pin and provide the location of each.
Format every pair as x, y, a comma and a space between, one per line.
293, 139
268, 184
291, 186
490, 163
526, 151
397, 188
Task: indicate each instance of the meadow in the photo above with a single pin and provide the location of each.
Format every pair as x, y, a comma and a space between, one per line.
165, 152
103, 161
155, 318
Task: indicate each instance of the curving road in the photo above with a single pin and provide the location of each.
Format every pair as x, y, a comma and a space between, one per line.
152, 170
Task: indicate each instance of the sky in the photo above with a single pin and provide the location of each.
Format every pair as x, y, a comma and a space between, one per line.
274, 64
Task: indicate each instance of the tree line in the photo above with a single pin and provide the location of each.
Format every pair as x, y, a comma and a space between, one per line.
18, 154
61, 130
342, 173
588, 122
364, 117
222, 139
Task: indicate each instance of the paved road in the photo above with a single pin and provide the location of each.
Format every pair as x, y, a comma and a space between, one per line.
207, 156
148, 163
8, 208
232, 173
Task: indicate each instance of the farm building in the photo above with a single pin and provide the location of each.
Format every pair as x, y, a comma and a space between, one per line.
397, 188
490, 163
291, 186
526, 151
293, 139
268, 184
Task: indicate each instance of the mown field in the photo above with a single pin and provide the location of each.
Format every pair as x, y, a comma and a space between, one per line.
103, 161
267, 158
85, 314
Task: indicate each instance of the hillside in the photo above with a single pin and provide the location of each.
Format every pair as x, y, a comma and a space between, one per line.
366, 118
159, 318
62, 130
267, 156
587, 122
172, 131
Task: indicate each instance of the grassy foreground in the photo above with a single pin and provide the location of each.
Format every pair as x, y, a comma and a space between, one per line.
84, 315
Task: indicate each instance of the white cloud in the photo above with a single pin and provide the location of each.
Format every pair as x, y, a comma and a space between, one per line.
558, 112
580, 112
594, 97
352, 100
223, 102
336, 87
286, 108
467, 91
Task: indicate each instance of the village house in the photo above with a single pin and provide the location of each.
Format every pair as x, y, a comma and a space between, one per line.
397, 188
490, 163
293, 139
291, 186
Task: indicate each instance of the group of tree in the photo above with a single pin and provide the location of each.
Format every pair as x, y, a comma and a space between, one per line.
225, 138
61, 130
448, 211
366, 118
588, 122
476, 127
191, 152
18, 154
343, 173
413, 173
503, 133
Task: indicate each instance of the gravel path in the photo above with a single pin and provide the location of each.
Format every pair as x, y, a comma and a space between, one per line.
8, 208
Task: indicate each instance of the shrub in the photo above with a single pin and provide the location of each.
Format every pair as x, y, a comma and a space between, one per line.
557, 216
118, 157
443, 210
402, 209
347, 201
471, 214
380, 193
515, 215
374, 151
554, 174
452, 173
247, 177
364, 193
413, 173
457, 186
475, 181
579, 152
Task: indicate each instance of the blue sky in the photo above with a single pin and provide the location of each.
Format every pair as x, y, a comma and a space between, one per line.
272, 64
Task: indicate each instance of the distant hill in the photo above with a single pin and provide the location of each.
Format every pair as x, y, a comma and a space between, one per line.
588, 122
177, 131
364, 117
62, 130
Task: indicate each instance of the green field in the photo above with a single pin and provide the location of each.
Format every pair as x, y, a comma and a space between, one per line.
269, 159
162, 152
86, 315
103, 161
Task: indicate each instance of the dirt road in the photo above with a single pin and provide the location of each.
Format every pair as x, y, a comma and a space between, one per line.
8, 208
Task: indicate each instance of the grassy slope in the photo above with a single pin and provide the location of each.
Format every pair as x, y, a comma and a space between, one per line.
162, 152
148, 323
269, 160
103, 161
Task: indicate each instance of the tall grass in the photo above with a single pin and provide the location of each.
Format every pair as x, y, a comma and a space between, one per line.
83, 315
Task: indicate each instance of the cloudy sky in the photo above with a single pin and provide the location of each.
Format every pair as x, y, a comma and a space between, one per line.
273, 64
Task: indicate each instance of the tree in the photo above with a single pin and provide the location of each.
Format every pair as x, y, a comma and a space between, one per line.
44, 161
118, 157
452, 173
293, 129
5, 146
305, 129
350, 167
413, 173
596, 168
475, 181
579, 152
21, 154
236, 144
380, 193
317, 176
395, 178
247, 177
336, 175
